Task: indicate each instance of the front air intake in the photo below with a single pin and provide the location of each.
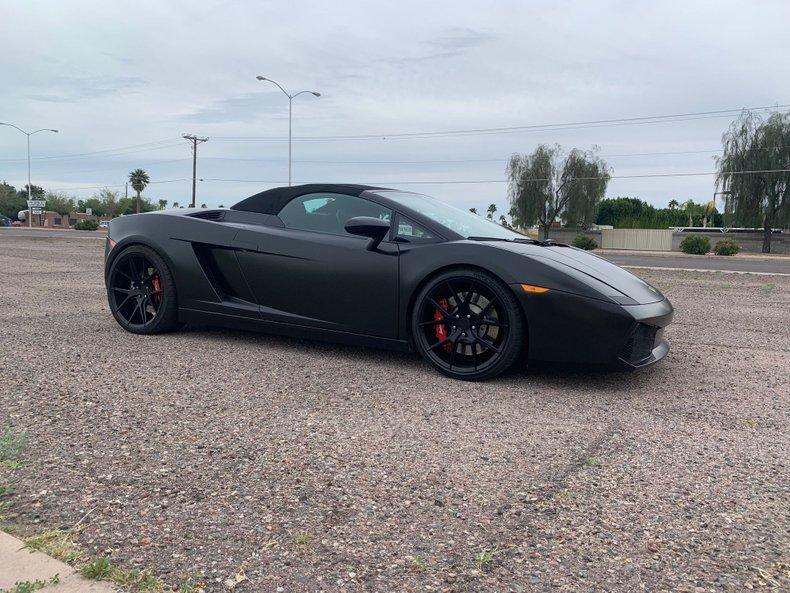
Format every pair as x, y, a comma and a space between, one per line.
640, 344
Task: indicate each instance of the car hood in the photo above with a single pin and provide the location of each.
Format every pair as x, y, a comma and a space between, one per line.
591, 265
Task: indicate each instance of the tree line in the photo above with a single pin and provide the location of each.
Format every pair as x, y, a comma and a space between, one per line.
753, 175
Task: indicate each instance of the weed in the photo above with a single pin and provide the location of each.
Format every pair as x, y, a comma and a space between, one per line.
769, 286
97, 570
483, 559
190, 586
302, 539
419, 564
101, 569
31, 586
58, 544
591, 462
11, 444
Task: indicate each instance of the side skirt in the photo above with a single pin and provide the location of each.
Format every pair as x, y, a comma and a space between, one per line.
291, 330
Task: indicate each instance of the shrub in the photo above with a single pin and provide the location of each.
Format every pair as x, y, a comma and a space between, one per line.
726, 247
695, 244
584, 242
86, 225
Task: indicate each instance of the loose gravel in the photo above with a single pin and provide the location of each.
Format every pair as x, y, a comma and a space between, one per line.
313, 467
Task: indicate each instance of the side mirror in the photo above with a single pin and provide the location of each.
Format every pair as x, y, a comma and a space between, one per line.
367, 226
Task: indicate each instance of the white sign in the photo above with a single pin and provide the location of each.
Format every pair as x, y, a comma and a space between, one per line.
88, 211
36, 210
36, 203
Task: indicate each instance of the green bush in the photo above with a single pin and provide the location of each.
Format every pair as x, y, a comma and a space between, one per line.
726, 247
86, 225
695, 244
584, 242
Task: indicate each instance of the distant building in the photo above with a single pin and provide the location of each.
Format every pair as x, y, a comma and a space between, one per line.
53, 220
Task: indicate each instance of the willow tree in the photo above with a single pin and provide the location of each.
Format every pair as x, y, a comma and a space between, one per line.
547, 185
754, 172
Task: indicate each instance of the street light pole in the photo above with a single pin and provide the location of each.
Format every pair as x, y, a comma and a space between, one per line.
290, 115
29, 195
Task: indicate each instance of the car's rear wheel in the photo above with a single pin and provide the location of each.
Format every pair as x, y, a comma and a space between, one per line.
468, 325
141, 292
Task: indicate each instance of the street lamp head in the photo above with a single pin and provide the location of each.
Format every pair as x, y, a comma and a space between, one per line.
51, 130
315, 94
259, 77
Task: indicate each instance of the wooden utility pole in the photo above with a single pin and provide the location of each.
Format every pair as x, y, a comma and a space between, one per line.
194, 140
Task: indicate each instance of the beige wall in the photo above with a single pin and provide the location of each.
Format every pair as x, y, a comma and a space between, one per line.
638, 239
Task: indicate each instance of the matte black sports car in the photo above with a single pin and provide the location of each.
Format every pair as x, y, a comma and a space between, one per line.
383, 268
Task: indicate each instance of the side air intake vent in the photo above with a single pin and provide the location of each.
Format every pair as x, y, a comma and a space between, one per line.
215, 215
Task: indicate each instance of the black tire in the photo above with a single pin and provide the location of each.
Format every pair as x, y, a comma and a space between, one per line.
468, 325
141, 292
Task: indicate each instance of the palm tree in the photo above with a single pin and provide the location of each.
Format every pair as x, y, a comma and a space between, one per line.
139, 179
203, 206
689, 208
175, 204
673, 204
162, 204
491, 211
473, 210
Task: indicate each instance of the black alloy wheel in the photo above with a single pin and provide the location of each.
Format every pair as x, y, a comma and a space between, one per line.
141, 291
468, 325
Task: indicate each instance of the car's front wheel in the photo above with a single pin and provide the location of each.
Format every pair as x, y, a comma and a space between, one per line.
141, 291
468, 324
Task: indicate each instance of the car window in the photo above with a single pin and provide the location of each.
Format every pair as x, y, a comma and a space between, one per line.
328, 213
410, 231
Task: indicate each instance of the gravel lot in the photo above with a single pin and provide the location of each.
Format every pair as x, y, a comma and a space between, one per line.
326, 468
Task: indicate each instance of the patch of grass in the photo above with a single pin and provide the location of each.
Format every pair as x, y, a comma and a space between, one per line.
769, 286
101, 569
56, 543
591, 462
31, 586
419, 564
302, 539
483, 559
97, 570
11, 444
191, 586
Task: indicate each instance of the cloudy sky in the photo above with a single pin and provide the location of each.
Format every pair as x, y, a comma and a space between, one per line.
123, 81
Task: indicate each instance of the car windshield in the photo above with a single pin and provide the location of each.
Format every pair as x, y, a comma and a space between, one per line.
463, 222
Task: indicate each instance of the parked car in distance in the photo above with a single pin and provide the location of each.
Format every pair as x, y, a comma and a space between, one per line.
5, 221
104, 224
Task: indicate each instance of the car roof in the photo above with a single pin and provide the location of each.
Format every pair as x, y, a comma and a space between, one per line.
272, 201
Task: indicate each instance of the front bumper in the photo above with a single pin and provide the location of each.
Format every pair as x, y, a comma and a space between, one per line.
568, 328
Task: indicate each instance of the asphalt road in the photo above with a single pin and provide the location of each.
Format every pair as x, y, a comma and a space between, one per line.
210, 453
765, 265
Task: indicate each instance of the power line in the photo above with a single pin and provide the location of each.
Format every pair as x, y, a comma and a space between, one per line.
111, 185
120, 151
443, 161
677, 117
480, 181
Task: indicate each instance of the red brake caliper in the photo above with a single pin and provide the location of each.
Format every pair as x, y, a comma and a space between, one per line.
440, 329
157, 288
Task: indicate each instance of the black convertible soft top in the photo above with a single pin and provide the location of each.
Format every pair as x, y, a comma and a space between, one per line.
272, 201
